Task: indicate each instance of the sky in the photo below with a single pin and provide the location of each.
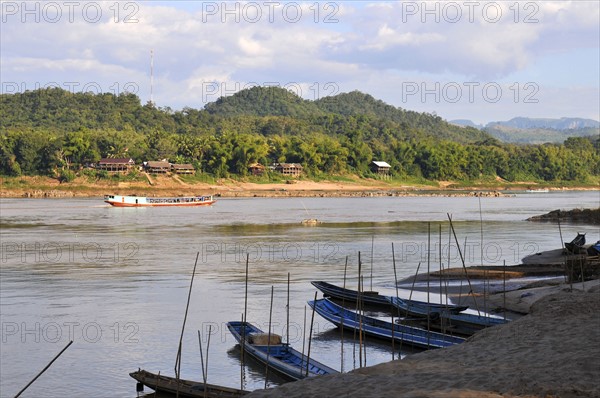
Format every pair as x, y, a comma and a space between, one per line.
479, 60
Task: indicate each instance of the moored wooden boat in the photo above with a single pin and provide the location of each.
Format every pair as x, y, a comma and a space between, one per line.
142, 201
280, 356
406, 307
576, 245
184, 388
461, 323
411, 335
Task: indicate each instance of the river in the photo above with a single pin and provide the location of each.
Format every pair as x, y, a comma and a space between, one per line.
116, 280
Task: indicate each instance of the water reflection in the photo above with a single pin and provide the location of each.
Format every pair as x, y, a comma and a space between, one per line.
116, 280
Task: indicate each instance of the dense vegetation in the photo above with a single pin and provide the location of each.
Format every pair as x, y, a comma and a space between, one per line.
55, 132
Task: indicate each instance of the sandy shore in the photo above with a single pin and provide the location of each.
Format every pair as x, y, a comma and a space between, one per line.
45, 187
552, 352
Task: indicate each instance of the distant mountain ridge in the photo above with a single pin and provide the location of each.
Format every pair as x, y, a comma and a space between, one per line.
536, 130
466, 123
564, 123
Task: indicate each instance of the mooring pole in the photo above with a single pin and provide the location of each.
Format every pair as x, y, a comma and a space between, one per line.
43, 370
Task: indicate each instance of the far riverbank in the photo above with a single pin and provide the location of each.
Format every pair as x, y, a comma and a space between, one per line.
45, 187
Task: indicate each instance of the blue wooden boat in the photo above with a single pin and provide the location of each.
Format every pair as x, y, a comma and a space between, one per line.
280, 356
406, 307
462, 323
383, 329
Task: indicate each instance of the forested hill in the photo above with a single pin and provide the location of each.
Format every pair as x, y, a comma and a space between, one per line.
264, 101
275, 101
357, 103
60, 110
53, 131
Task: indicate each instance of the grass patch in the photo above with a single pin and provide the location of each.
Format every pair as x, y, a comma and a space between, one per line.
198, 178
13, 182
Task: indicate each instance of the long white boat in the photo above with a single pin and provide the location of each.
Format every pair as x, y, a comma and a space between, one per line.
538, 190
142, 201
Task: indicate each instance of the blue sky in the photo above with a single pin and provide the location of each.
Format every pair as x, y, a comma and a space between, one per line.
484, 61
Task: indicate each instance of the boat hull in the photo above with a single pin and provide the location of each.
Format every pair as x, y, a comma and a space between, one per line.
416, 337
140, 201
406, 307
184, 388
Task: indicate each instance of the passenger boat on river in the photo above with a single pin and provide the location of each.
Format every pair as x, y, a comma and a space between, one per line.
142, 201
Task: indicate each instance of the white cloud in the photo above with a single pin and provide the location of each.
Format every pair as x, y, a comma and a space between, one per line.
373, 47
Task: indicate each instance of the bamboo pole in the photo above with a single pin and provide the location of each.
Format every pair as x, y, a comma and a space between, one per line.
354, 344
342, 320
312, 320
242, 361
397, 296
485, 274
460, 292
269, 338
449, 258
440, 258
178, 359
442, 284
45, 368
303, 339
428, 276
462, 259
372, 248
245, 314
480, 230
246, 290
413, 286
504, 287
362, 306
206, 368
358, 304
391, 304
562, 246
201, 358
287, 327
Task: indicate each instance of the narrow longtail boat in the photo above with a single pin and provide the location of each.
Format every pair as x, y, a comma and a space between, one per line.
183, 388
142, 201
411, 335
461, 323
280, 356
406, 307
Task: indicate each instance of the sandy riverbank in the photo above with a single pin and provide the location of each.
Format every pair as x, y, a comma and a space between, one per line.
552, 352
40, 187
